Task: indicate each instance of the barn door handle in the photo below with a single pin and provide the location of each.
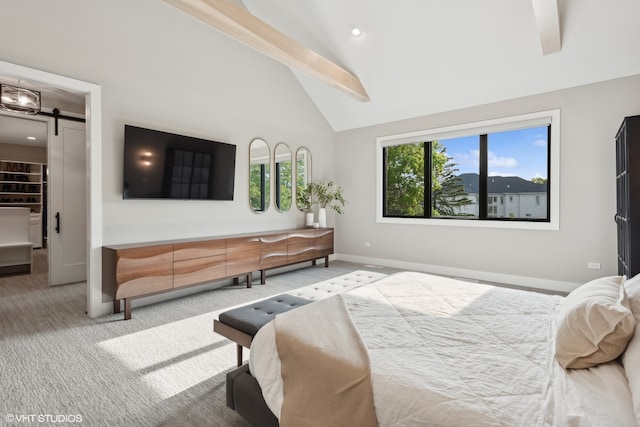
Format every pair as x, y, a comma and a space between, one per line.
58, 222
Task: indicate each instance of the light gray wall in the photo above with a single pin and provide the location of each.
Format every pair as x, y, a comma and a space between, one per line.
161, 69
23, 153
590, 118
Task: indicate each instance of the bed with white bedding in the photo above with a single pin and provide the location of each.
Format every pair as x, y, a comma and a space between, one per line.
447, 352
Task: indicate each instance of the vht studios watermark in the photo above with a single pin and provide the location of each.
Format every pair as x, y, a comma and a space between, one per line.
43, 418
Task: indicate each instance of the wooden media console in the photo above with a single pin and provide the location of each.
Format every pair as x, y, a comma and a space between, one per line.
135, 270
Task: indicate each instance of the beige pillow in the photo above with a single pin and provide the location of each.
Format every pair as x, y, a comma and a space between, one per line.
595, 324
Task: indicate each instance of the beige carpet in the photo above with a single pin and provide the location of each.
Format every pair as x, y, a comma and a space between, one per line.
165, 367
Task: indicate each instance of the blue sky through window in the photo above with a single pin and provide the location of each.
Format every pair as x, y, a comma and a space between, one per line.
521, 152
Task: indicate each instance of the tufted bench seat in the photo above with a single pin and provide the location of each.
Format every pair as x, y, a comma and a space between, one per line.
241, 324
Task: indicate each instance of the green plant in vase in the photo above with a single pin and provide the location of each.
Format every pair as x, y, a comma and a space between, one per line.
326, 195
303, 201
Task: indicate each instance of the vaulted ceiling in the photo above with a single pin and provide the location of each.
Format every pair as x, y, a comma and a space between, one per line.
418, 57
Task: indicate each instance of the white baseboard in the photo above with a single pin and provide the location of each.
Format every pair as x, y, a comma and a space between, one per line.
485, 276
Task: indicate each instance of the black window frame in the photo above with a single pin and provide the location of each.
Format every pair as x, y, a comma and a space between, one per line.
483, 195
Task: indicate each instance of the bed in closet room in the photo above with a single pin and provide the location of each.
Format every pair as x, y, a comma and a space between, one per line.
417, 349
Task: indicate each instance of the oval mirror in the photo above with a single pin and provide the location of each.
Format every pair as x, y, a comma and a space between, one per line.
284, 176
259, 175
303, 174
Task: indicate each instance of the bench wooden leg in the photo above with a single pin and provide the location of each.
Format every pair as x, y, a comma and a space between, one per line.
239, 350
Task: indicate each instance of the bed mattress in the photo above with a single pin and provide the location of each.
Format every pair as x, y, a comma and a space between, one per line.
449, 352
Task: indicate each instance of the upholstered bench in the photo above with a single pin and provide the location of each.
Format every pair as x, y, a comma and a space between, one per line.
241, 324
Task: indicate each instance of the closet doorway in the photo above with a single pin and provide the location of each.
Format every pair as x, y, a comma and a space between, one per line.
92, 94
43, 162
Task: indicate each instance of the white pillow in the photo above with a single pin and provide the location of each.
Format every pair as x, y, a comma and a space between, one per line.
595, 324
632, 287
631, 363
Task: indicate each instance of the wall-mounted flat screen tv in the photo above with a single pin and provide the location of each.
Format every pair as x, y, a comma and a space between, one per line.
161, 165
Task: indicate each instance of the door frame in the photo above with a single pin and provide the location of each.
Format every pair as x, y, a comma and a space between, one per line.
93, 114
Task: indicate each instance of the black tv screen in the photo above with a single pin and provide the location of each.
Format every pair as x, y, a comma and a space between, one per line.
161, 165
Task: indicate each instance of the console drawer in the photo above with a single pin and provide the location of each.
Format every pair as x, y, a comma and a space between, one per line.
243, 255
144, 270
193, 250
198, 270
273, 250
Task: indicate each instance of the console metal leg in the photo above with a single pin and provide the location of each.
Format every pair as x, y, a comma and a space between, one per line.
127, 308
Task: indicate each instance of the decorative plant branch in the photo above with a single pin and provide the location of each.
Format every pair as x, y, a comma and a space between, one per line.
323, 194
303, 198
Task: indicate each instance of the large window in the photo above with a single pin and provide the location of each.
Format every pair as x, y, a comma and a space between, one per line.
495, 172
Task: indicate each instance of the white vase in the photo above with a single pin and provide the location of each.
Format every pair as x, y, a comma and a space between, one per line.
309, 219
322, 217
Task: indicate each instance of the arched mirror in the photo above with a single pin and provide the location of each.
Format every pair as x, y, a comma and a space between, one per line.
303, 172
259, 175
284, 177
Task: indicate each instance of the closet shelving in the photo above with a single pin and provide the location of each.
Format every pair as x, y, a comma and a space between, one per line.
21, 184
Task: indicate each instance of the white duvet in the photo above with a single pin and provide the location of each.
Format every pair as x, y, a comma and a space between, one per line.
446, 352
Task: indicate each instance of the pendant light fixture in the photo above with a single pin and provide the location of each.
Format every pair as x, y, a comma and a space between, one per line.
19, 100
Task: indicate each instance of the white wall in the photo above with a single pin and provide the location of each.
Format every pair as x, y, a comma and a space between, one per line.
23, 153
590, 118
161, 69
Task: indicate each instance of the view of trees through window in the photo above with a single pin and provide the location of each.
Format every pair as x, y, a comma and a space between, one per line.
500, 175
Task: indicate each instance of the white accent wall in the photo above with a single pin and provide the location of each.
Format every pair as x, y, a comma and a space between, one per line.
161, 69
590, 118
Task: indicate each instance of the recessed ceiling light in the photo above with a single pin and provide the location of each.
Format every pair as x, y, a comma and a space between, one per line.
31, 138
356, 32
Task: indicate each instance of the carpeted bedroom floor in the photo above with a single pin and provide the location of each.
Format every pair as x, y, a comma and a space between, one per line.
164, 367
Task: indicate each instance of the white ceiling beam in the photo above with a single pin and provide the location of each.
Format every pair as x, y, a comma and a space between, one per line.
548, 20
241, 25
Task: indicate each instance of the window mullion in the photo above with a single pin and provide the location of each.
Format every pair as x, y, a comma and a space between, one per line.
549, 175
428, 176
483, 193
